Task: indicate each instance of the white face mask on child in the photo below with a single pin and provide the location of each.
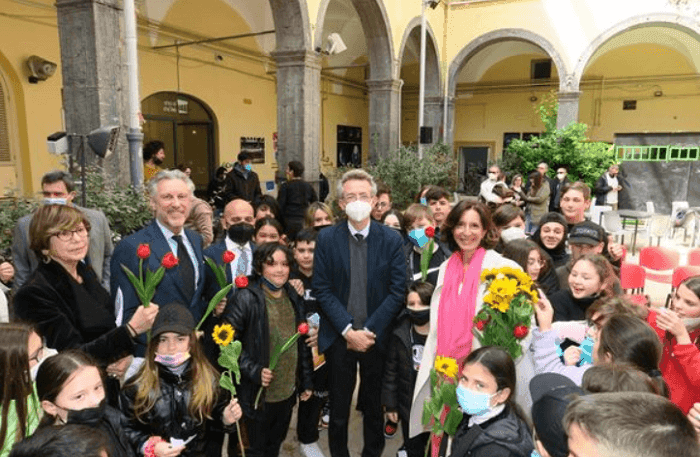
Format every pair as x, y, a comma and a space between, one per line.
173, 361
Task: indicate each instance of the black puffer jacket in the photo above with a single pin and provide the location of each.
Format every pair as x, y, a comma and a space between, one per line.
398, 381
170, 417
247, 313
240, 183
506, 435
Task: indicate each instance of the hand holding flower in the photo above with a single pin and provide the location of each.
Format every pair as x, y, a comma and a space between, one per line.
232, 412
143, 318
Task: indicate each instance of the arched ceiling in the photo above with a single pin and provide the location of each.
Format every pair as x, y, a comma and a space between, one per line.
486, 58
341, 18
668, 37
257, 15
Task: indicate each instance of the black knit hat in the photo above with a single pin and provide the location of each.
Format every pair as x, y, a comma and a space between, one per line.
551, 394
553, 217
173, 317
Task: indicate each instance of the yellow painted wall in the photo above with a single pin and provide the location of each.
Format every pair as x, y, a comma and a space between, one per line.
237, 89
26, 31
648, 64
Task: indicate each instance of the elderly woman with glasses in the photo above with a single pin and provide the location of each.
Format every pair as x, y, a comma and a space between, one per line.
63, 298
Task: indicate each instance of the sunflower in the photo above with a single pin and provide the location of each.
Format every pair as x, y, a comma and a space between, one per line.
446, 366
223, 334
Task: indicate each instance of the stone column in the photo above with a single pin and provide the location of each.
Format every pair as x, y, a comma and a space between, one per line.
450, 127
299, 110
384, 117
93, 78
568, 108
433, 117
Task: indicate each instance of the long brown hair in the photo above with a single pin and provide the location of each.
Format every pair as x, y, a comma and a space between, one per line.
203, 383
452, 220
15, 382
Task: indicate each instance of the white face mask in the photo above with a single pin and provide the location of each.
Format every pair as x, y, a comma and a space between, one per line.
493, 176
691, 323
358, 210
48, 352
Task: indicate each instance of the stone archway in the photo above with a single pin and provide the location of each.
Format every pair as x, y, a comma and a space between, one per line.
383, 84
433, 84
497, 36
684, 23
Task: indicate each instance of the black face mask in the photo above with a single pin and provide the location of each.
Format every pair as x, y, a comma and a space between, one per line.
241, 233
419, 317
87, 416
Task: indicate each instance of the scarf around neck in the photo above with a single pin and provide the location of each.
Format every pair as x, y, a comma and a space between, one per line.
458, 306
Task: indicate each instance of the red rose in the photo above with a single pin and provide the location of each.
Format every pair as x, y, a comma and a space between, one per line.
169, 260
241, 282
481, 325
143, 251
303, 328
228, 256
520, 331
430, 232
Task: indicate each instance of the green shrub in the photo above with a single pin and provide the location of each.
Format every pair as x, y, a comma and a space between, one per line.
586, 160
405, 174
127, 210
12, 208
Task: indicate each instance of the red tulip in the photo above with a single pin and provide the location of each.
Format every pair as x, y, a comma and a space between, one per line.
143, 251
303, 328
228, 256
520, 331
169, 260
241, 282
481, 325
430, 232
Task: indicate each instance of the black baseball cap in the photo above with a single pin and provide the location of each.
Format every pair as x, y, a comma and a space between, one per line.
551, 394
173, 317
587, 232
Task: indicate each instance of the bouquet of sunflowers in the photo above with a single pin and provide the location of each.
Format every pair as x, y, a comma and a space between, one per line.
508, 307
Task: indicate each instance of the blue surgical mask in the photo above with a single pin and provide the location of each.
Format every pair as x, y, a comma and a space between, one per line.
423, 201
535, 453
248, 167
473, 403
55, 201
269, 284
418, 237
587, 350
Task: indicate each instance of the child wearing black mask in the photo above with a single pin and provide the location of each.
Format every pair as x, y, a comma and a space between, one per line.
402, 364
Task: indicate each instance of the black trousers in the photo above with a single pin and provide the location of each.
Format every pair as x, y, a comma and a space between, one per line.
342, 378
265, 435
309, 411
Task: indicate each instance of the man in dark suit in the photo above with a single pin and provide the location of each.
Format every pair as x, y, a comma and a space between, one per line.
359, 282
238, 223
171, 194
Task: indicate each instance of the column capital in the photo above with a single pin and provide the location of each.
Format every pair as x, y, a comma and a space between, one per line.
87, 3
297, 58
569, 95
393, 85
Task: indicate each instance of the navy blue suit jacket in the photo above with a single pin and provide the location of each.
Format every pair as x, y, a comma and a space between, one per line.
215, 252
170, 288
386, 281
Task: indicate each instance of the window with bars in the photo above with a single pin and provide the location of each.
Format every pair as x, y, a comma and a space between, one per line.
5, 155
657, 153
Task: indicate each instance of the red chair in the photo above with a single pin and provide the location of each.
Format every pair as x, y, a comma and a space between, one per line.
632, 280
659, 263
680, 274
694, 257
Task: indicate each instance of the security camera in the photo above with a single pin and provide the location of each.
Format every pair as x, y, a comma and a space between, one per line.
57, 143
334, 44
40, 69
433, 4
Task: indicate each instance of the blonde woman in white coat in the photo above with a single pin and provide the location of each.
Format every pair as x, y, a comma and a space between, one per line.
458, 297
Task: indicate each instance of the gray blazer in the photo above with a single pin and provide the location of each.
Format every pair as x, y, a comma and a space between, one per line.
99, 253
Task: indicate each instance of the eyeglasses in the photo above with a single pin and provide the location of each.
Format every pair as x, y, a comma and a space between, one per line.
353, 198
39, 354
67, 235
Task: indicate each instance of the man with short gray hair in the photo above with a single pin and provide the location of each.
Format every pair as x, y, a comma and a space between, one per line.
359, 284
628, 424
171, 193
